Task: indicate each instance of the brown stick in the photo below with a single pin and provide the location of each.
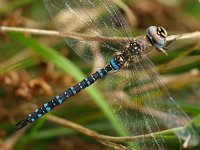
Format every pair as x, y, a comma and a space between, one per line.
185, 36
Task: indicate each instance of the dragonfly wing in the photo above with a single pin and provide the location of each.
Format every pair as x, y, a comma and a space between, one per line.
143, 105
131, 109
168, 112
87, 22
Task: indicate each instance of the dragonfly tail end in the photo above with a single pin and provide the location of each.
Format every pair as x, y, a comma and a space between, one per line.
21, 124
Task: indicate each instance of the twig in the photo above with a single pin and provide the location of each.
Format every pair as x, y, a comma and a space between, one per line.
104, 139
185, 36
114, 145
12, 140
60, 34
94, 134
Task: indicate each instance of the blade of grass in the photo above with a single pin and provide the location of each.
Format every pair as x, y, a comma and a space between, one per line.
190, 109
196, 121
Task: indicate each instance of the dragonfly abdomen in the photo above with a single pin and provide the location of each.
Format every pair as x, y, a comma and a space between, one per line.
115, 64
59, 99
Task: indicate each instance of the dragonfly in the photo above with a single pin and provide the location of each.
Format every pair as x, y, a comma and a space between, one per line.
138, 96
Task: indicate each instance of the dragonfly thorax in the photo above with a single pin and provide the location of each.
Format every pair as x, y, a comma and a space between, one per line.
117, 62
133, 48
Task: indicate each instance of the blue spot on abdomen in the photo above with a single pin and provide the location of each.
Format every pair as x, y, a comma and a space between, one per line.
60, 101
39, 115
100, 73
48, 108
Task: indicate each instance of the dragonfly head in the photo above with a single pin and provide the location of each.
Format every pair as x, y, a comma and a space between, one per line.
157, 37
